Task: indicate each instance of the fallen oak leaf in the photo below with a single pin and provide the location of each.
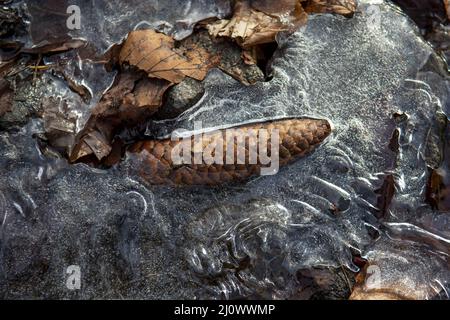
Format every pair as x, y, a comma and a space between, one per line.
98, 132
113, 98
139, 105
155, 54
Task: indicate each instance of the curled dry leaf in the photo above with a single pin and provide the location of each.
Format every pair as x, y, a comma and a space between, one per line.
155, 53
135, 97
250, 27
93, 142
343, 7
249, 57
131, 100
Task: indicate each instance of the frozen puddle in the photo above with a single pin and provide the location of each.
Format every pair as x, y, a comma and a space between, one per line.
361, 193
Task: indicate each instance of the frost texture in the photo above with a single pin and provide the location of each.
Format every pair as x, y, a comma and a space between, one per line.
106, 22
249, 240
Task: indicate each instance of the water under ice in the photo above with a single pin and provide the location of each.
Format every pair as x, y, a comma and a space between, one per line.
251, 240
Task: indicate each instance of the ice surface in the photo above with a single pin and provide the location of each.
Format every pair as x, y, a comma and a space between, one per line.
106, 22
250, 240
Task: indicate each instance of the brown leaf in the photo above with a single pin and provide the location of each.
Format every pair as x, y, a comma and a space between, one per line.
149, 93
249, 57
386, 289
96, 136
343, 7
130, 101
153, 159
225, 55
250, 27
155, 53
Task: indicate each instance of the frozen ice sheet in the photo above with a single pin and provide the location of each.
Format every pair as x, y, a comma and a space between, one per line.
248, 240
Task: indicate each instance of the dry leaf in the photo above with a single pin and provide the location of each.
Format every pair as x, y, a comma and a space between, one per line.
250, 27
130, 101
149, 93
343, 7
372, 285
225, 55
155, 53
93, 142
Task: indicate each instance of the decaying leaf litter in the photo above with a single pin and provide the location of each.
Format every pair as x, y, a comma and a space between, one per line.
128, 111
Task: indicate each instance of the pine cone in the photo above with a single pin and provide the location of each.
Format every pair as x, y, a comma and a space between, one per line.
155, 163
